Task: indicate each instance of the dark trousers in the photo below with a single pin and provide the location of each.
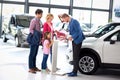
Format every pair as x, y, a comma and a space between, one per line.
44, 61
32, 56
76, 53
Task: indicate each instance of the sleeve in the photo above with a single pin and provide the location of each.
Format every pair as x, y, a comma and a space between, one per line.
45, 28
46, 42
32, 26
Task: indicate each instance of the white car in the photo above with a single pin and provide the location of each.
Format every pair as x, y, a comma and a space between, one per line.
99, 51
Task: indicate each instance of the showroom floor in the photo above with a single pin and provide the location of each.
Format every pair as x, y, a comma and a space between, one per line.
14, 65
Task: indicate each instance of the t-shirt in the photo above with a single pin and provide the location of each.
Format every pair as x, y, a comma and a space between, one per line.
45, 49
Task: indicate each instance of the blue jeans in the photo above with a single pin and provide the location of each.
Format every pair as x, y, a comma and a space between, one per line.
44, 61
32, 56
51, 54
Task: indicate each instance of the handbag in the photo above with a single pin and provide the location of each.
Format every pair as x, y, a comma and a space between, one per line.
34, 39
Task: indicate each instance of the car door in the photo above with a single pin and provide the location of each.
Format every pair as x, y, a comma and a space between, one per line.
111, 49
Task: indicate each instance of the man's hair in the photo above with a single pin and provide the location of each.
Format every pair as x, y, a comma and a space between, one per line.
39, 11
64, 15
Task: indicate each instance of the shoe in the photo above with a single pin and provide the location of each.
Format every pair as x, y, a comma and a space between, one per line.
69, 73
32, 71
72, 74
36, 69
47, 70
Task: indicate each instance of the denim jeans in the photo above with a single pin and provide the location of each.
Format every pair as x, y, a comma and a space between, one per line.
51, 54
32, 56
44, 61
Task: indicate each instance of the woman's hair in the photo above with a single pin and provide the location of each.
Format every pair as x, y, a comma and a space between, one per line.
45, 35
49, 15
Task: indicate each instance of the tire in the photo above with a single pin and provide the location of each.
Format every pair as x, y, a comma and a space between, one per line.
4, 38
17, 42
88, 64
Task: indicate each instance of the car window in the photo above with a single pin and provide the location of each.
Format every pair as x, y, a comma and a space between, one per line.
118, 36
23, 21
103, 30
114, 34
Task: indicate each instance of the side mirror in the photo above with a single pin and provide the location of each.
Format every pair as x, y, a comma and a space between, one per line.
113, 40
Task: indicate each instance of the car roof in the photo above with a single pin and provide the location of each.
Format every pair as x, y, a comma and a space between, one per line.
14, 15
114, 23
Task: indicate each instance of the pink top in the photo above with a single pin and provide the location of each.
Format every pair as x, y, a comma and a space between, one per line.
45, 49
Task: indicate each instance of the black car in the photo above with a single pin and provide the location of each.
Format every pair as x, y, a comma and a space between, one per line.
16, 27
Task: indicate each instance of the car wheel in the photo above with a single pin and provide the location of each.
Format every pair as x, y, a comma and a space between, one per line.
17, 42
4, 38
88, 64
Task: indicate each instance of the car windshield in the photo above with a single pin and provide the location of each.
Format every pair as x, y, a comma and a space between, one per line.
103, 30
23, 20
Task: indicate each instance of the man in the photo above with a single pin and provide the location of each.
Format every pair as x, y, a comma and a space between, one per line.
34, 25
76, 36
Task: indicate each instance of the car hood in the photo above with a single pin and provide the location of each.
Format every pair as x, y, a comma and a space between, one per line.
90, 39
25, 31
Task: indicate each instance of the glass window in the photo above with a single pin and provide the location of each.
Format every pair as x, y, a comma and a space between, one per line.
101, 4
0, 20
12, 9
39, 1
99, 18
83, 16
59, 2
56, 12
15, 0
82, 3
33, 9
116, 11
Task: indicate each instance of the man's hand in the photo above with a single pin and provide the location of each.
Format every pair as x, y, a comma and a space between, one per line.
70, 38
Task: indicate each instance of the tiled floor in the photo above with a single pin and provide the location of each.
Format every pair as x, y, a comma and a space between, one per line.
14, 65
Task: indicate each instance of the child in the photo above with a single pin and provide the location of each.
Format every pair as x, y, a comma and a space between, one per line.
46, 50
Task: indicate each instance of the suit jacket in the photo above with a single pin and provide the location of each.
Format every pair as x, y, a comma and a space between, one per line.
75, 31
34, 39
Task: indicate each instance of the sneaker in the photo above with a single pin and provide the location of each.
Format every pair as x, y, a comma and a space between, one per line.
72, 74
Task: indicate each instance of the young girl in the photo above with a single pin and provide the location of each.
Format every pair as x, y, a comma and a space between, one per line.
46, 50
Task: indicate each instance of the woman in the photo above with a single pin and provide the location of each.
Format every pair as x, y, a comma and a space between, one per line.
48, 27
